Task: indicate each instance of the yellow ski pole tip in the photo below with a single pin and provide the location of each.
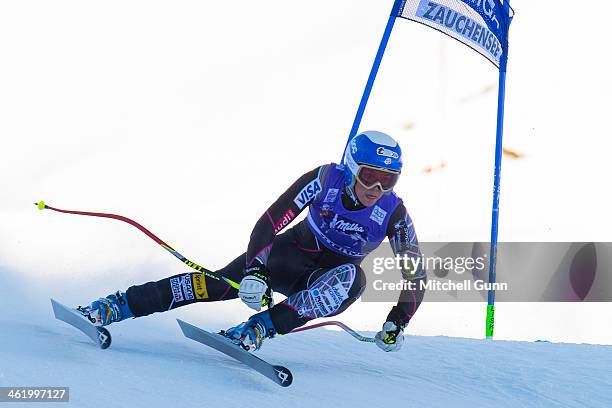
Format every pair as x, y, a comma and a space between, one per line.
41, 205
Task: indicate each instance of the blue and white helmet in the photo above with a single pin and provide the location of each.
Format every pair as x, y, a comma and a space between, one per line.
374, 149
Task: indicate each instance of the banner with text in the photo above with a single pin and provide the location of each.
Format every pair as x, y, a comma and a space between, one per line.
480, 24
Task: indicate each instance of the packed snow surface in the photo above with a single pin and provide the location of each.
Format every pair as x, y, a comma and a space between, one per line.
151, 364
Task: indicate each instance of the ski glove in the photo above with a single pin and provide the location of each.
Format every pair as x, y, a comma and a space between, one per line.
254, 289
391, 337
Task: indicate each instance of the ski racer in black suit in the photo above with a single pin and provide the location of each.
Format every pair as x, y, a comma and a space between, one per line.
316, 264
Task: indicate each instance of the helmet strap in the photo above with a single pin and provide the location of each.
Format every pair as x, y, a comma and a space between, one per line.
350, 193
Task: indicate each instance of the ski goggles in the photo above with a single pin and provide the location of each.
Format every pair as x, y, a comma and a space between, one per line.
370, 177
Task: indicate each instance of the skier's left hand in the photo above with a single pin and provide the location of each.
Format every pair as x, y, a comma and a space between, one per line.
391, 337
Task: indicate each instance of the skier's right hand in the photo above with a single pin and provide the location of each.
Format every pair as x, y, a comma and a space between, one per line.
391, 337
254, 289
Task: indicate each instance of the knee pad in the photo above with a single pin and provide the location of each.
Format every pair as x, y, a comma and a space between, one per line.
330, 291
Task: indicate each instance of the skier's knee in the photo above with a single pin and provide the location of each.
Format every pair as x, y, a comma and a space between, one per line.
355, 282
327, 293
336, 289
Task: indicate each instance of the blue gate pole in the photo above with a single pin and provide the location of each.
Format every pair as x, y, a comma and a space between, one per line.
379, 56
495, 213
490, 322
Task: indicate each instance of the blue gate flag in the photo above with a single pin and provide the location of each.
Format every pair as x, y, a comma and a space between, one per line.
480, 24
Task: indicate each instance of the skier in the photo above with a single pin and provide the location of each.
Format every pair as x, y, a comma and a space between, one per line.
351, 209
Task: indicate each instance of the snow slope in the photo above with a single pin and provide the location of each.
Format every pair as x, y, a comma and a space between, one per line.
151, 364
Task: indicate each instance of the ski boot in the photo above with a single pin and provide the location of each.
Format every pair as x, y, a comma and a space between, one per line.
250, 334
105, 311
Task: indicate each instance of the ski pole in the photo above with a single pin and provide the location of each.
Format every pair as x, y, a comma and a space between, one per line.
339, 324
208, 273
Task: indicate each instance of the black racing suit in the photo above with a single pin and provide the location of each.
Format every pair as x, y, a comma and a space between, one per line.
298, 265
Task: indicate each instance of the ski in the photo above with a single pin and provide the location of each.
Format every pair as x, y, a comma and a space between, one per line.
73, 317
279, 374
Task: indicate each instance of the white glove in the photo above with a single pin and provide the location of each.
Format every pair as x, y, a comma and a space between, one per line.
390, 338
254, 290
